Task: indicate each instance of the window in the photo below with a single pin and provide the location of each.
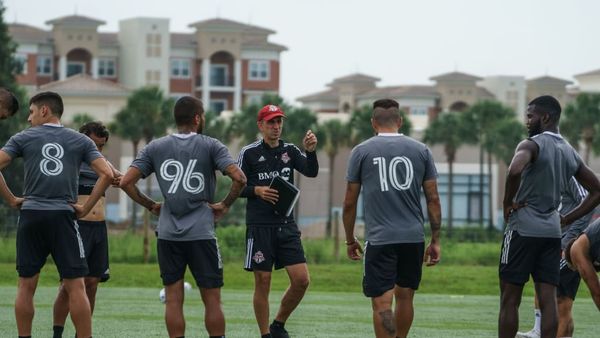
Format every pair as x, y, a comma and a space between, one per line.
21, 60
219, 75
153, 77
217, 106
153, 45
258, 70
75, 67
44, 65
107, 68
180, 68
419, 111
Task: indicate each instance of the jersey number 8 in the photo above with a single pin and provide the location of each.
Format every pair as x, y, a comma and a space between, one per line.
52, 153
393, 173
182, 177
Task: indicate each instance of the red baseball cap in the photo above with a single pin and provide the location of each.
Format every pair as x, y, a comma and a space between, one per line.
269, 112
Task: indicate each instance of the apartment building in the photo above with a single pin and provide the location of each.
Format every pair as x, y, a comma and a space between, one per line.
224, 62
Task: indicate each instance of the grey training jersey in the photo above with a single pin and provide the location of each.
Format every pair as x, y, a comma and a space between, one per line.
593, 234
52, 156
391, 169
541, 185
185, 169
573, 195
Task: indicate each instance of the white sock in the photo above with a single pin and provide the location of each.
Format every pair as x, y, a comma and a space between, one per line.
537, 325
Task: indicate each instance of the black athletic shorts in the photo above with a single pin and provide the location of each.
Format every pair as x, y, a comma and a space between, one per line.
522, 256
95, 244
54, 232
267, 246
392, 264
201, 256
569, 281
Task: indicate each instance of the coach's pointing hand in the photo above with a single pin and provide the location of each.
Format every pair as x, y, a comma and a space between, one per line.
310, 141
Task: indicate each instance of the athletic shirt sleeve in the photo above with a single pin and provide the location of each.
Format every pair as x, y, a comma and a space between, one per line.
221, 157
306, 164
354, 166
143, 162
90, 151
14, 146
430, 170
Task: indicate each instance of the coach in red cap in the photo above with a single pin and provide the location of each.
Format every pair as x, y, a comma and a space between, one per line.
273, 239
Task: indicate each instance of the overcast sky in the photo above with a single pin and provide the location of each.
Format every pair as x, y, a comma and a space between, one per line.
401, 42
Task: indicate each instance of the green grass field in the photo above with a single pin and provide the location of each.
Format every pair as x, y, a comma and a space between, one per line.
137, 312
454, 301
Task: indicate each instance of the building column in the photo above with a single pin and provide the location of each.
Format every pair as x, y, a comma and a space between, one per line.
62, 67
95, 68
237, 94
206, 83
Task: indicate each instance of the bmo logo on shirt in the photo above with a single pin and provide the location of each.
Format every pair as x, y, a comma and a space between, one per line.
174, 171
52, 165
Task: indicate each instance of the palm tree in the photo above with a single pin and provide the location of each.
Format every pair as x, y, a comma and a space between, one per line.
504, 138
297, 122
448, 130
147, 115
481, 118
581, 122
336, 136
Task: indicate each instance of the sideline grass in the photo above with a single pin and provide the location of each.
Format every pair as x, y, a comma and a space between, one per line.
136, 312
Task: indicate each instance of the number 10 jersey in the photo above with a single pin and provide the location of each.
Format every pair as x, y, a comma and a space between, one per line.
391, 169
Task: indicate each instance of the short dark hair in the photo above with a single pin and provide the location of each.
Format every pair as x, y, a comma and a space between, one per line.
96, 128
386, 112
50, 99
185, 109
546, 104
9, 101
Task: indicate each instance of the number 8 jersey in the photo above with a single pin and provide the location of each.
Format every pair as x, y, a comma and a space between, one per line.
391, 169
52, 156
185, 166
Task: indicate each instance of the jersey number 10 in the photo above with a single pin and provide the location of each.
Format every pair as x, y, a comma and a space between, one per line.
182, 177
386, 179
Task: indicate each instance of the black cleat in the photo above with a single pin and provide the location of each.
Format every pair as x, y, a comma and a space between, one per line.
278, 331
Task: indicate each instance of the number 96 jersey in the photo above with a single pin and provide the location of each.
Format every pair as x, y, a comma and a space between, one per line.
391, 169
185, 166
52, 156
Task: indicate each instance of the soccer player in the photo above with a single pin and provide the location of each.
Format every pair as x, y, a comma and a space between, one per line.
569, 279
47, 224
542, 166
9, 105
391, 169
583, 255
185, 165
92, 229
273, 239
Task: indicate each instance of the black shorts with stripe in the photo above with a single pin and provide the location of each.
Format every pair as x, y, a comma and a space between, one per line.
95, 244
388, 265
201, 256
50, 232
522, 256
267, 246
569, 281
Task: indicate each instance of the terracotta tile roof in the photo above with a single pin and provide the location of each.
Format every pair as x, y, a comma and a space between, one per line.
326, 95
356, 77
75, 20
224, 24
590, 73
28, 34
83, 84
401, 91
548, 79
455, 76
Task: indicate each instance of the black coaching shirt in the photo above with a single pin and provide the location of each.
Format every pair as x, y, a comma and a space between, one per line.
260, 163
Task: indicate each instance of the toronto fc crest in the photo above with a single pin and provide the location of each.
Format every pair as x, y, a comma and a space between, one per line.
258, 257
285, 157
